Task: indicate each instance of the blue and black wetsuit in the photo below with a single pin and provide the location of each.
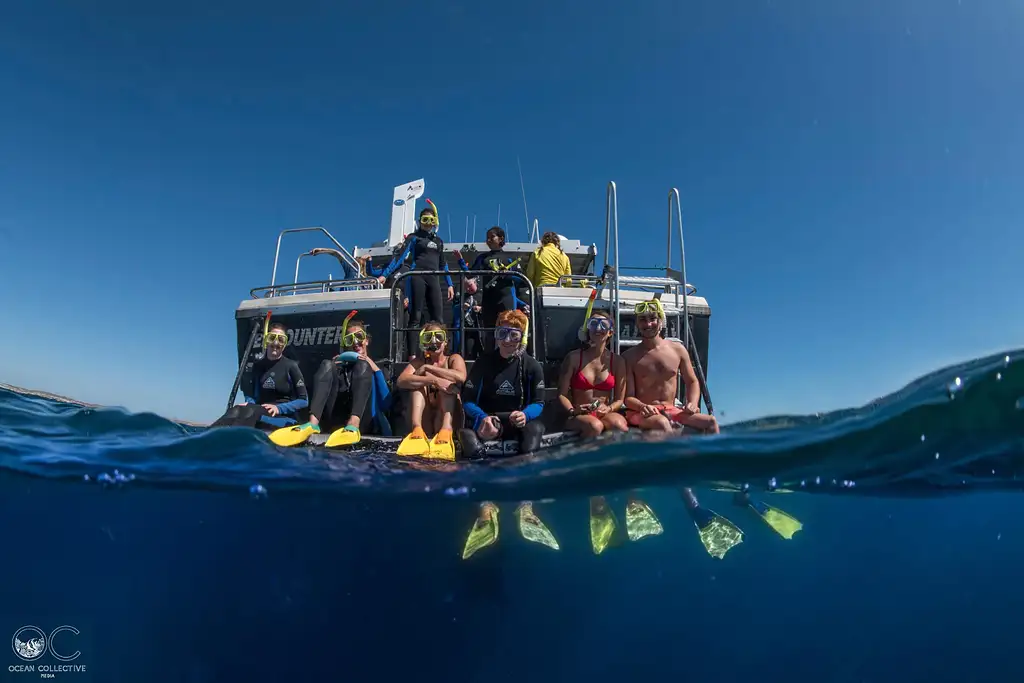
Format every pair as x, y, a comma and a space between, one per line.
425, 298
341, 390
277, 382
501, 386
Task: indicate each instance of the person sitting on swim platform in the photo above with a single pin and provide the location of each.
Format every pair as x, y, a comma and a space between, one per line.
432, 382
273, 388
349, 391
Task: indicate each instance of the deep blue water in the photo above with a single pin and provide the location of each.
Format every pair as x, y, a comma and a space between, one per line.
349, 568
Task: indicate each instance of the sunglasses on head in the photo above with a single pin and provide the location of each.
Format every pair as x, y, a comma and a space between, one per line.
599, 324
276, 338
510, 334
433, 337
353, 338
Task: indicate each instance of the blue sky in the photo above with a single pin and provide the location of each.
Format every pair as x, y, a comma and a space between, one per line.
852, 173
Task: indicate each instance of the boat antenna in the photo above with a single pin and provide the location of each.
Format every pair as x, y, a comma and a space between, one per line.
474, 227
467, 227
498, 222
522, 186
449, 228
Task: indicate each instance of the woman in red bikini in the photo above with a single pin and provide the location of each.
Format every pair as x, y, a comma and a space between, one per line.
587, 387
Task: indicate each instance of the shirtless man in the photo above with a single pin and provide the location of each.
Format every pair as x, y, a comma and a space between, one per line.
653, 367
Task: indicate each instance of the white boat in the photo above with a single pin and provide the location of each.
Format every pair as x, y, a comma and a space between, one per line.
313, 311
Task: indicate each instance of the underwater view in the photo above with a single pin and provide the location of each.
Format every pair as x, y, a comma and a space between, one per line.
186, 555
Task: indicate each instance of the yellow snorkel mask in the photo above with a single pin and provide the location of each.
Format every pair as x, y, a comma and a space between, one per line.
433, 340
650, 307
350, 340
427, 219
272, 338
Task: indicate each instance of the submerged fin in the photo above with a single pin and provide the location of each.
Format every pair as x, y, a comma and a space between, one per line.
414, 444
532, 529
717, 533
602, 524
442, 446
641, 520
346, 436
484, 531
783, 523
293, 436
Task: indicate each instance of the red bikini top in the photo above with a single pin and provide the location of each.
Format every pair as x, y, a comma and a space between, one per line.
581, 383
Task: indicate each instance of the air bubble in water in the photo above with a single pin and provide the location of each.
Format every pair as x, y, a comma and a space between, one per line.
257, 491
999, 376
1006, 360
922, 438
817, 480
461, 491
87, 478
803, 482
936, 455
772, 484
1019, 405
953, 387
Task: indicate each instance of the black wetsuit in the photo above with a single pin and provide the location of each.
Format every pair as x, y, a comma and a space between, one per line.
498, 292
353, 384
466, 321
278, 382
501, 386
425, 298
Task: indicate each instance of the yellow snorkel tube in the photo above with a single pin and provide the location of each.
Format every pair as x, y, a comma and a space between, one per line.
437, 214
266, 330
344, 330
582, 333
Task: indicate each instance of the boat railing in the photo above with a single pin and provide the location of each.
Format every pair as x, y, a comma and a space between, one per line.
460, 276
314, 287
346, 256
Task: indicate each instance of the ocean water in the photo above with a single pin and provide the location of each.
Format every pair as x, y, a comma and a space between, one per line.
182, 555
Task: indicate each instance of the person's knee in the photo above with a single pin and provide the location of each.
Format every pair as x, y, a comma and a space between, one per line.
589, 426
615, 422
326, 368
361, 369
658, 423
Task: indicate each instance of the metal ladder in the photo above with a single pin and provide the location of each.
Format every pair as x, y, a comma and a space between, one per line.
674, 282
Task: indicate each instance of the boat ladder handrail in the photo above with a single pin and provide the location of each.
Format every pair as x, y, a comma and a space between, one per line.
674, 285
397, 287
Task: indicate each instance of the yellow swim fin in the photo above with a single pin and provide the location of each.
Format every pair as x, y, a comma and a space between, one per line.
414, 444
442, 446
783, 523
717, 533
484, 531
641, 520
346, 436
294, 435
602, 524
532, 529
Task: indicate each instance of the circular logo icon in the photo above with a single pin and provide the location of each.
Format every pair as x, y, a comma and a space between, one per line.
399, 202
34, 645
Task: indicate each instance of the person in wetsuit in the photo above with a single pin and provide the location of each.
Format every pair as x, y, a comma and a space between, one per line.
498, 292
504, 394
503, 398
349, 392
273, 388
427, 251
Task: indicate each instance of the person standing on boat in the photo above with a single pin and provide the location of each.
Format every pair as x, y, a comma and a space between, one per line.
427, 251
466, 313
349, 391
503, 398
653, 365
592, 389
432, 382
549, 263
499, 292
273, 388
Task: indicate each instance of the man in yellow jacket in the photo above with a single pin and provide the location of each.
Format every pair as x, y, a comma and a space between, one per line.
549, 263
